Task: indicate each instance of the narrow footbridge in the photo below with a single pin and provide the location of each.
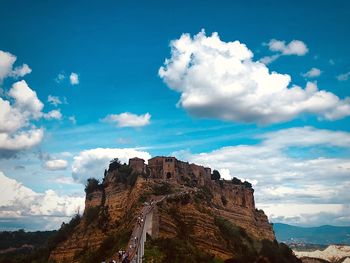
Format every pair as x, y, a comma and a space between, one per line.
136, 244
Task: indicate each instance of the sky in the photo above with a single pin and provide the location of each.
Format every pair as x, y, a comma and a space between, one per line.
258, 91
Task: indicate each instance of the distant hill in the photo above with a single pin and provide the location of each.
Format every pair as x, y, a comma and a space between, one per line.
21, 247
323, 235
17, 239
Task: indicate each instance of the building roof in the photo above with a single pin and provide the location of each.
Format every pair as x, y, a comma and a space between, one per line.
136, 158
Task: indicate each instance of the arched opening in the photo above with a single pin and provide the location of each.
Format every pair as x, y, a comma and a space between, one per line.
168, 175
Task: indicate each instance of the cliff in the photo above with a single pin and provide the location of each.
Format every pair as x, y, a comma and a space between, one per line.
192, 208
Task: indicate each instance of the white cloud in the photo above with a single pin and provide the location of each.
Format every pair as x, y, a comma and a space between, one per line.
308, 214
343, 77
295, 47
72, 119
21, 140
312, 73
60, 77
54, 100
6, 67
269, 59
74, 78
91, 163
21, 71
17, 200
57, 164
53, 115
16, 115
289, 167
220, 80
128, 119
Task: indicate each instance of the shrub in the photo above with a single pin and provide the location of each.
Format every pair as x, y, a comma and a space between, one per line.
176, 250
109, 245
204, 194
162, 189
184, 199
247, 184
215, 175
224, 200
235, 180
237, 239
114, 164
91, 185
91, 213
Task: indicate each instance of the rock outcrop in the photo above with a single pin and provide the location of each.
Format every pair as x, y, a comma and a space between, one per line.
111, 208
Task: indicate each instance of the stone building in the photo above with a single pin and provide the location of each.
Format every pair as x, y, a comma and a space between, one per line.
137, 164
169, 168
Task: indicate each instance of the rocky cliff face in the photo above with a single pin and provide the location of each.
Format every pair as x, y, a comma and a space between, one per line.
111, 209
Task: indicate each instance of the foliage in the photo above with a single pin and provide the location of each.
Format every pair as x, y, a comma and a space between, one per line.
204, 194
114, 165
19, 238
277, 253
125, 175
237, 239
162, 189
184, 199
91, 214
215, 175
31, 246
103, 218
175, 250
184, 229
110, 244
247, 184
237, 181
41, 254
223, 200
91, 185
248, 249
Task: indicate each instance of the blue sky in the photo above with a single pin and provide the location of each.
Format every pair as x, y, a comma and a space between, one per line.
115, 51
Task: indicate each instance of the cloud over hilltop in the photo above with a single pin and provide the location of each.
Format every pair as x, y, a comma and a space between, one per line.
7, 61
221, 80
17, 132
127, 119
19, 201
290, 168
91, 163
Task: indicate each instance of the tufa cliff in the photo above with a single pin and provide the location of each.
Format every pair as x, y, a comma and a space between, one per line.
212, 219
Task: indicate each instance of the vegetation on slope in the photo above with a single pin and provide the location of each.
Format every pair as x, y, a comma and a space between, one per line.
41, 254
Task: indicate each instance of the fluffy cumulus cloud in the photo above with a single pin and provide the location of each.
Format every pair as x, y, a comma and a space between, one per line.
291, 169
7, 61
74, 78
221, 80
18, 109
56, 164
128, 119
18, 201
312, 73
91, 163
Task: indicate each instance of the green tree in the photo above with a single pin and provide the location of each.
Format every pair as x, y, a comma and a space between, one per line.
92, 184
215, 175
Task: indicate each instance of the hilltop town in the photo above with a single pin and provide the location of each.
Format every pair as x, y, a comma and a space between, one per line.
154, 210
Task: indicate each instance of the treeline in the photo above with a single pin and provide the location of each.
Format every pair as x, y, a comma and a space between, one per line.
16, 239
